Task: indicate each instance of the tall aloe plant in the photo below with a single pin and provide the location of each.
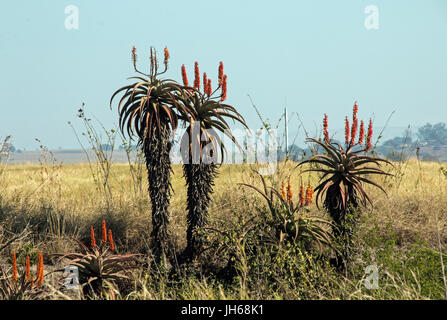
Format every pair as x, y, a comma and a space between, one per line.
149, 108
199, 147
345, 170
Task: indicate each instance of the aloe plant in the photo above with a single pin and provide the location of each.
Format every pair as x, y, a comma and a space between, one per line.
345, 170
290, 220
100, 263
149, 109
200, 149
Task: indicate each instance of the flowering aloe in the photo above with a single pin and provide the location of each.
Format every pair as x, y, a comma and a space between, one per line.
344, 173
287, 220
200, 143
98, 265
150, 108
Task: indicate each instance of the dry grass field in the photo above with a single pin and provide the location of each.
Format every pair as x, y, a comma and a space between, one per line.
403, 234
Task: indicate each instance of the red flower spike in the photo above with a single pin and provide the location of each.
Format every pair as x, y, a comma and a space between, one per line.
220, 74
354, 131
92, 237
167, 56
369, 137
354, 123
289, 191
39, 278
184, 77
325, 131
205, 83
346, 130
112, 245
355, 110
104, 231
362, 132
196, 76
309, 194
224, 88
208, 87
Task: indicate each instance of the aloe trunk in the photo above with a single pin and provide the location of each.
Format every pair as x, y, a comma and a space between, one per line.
158, 163
345, 218
200, 181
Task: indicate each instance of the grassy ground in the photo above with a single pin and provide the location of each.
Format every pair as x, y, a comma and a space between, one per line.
402, 235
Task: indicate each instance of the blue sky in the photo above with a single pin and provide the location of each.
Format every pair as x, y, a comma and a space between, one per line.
315, 56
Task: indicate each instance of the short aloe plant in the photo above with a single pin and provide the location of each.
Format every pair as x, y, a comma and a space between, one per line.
99, 264
288, 219
24, 287
345, 171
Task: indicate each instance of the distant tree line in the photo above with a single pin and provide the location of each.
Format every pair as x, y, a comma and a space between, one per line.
430, 145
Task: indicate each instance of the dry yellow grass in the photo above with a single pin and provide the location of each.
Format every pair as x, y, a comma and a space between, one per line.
415, 202
416, 195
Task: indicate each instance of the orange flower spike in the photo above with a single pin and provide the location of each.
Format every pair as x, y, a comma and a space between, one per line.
92, 237
196, 76
369, 136
346, 130
184, 77
167, 56
220, 74
40, 270
224, 88
104, 231
112, 245
354, 123
362, 132
302, 196
28, 269
283, 192
14, 266
205, 83
289, 191
325, 131
309, 194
